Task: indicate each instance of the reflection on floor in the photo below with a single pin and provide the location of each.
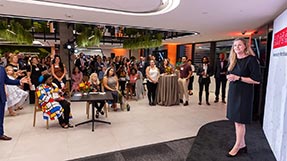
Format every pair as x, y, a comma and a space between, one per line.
143, 125
214, 140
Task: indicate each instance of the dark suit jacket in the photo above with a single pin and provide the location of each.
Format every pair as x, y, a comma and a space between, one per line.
5, 80
218, 68
209, 74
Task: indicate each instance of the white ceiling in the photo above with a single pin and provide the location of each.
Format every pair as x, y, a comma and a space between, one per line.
213, 19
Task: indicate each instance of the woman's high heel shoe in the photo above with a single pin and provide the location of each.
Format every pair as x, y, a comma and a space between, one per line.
240, 151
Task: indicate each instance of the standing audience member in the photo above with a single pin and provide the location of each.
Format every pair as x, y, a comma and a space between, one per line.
178, 63
185, 73
111, 84
77, 78
99, 64
15, 95
96, 87
5, 60
152, 74
52, 103
139, 88
43, 65
204, 72
190, 85
142, 65
244, 72
5, 80
80, 62
101, 73
58, 71
13, 62
133, 77
220, 77
166, 67
34, 72
48, 62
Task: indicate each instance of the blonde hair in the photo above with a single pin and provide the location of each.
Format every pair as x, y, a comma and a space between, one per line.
11, 56
10, 68
91, 78
233, 56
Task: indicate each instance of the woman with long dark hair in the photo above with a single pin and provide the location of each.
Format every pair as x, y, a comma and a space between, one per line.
58, 71
77, 78
111, 84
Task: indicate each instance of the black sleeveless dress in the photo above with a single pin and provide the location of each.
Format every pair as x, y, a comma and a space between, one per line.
240, 94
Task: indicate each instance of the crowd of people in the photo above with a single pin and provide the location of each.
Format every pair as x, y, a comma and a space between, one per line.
124, 77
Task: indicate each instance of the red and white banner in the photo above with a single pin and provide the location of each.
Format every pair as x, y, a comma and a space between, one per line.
275, 115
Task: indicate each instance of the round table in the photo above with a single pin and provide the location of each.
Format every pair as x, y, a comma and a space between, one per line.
167, 90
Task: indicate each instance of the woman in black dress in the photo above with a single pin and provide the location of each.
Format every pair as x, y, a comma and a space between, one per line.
34, 71
243, 74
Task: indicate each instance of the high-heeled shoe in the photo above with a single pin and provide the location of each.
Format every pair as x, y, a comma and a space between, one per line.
240, 151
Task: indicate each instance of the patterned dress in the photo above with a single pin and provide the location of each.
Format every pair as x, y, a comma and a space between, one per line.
50, 107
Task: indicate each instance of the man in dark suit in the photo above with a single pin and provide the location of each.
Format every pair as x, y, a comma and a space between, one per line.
220, 77
204, 72
81, 63
5, 80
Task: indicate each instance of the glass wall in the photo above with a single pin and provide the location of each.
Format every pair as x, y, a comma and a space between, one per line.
223, 47
200, 51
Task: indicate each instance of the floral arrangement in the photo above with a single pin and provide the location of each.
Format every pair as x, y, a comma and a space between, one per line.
84, 87
168, 70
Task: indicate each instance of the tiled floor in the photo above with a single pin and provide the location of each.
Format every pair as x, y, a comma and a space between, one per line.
141, 126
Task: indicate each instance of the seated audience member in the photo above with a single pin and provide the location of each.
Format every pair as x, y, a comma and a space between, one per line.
52, 103
77, 77
111, 84
15, 95
122, 75
96, 87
